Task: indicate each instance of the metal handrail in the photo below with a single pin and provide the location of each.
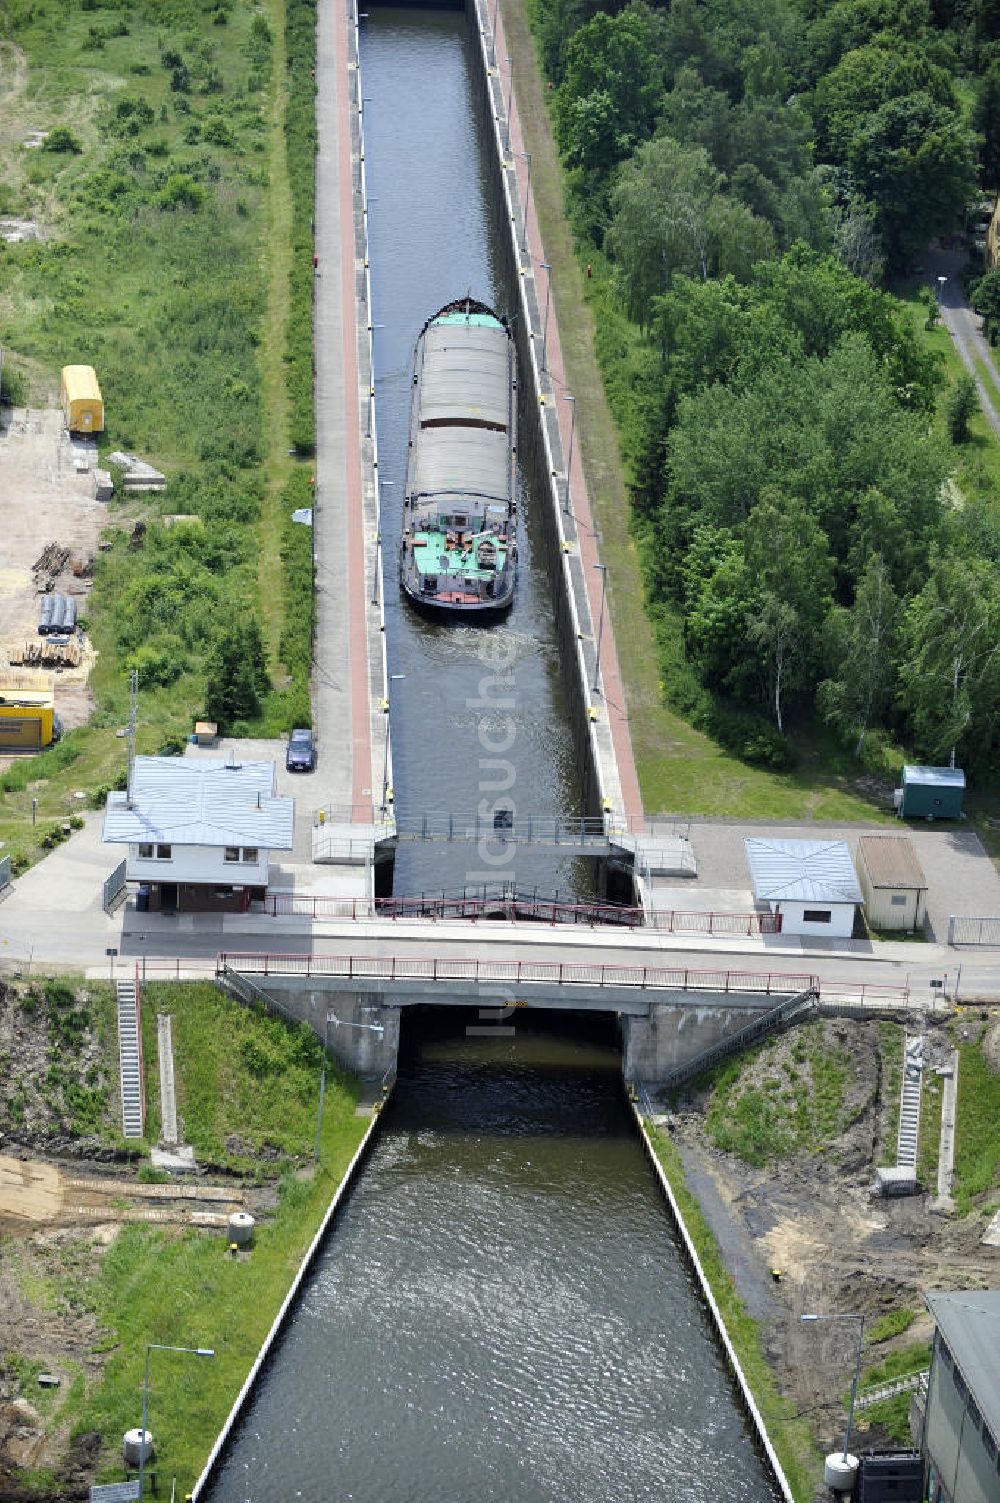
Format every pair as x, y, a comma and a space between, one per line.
514, 906
517, 972
908, 1383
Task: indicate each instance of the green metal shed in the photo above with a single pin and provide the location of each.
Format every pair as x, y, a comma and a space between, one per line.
931, 793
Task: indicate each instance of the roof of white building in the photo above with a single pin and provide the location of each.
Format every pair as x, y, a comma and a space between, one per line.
201, 801
808, 871
969, 1321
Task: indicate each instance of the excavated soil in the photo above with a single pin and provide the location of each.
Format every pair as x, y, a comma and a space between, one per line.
806, 1235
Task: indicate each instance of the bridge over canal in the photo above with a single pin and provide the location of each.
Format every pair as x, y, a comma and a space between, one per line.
668, 1014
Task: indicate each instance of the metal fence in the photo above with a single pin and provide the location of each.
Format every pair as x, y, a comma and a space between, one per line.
4, 872
964, 930
517, 906
400, 968
114, 888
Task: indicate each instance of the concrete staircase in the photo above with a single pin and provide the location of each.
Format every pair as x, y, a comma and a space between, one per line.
130, 1061
909, 1105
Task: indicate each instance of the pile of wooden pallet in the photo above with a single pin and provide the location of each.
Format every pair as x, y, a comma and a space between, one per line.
44, 652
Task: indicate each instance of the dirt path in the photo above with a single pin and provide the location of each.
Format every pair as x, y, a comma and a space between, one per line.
35, 1194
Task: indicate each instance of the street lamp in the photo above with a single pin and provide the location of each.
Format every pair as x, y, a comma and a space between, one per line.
156, 1346
527, 198
510, 93
839, 1470
393, 678
547, 268
600, 624
569, 462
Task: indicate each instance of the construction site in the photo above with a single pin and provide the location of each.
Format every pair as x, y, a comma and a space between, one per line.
52, 511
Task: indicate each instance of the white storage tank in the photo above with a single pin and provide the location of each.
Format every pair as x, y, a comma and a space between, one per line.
241, 1225
134, 1445
840, 1471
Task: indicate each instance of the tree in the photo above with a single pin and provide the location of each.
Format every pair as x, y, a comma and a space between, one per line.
661, 222
613, 88
861, 650
986, 118
788, 559
986, 301
914, 159
950, 665
963, 402
237, 674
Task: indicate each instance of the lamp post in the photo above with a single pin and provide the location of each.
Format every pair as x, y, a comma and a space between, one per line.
569, 462
331, 1017
600, 624
393, 678
157, 1346
527, 199
510, 94
547, 268
845, 1458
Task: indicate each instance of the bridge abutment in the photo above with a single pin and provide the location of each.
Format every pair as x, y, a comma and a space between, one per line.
653, 1046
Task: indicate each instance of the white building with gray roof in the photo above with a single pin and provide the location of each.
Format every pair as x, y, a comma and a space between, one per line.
199, 831
812, 884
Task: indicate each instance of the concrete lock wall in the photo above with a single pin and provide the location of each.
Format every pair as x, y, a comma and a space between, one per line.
352, 1037
672, 1034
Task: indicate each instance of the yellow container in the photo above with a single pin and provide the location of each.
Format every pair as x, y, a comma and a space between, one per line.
26, 720
81, 400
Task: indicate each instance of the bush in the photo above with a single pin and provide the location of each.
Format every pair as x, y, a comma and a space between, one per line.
61, 139
963, 404
181, 192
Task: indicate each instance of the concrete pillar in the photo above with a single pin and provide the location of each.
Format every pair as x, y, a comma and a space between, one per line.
672, 1034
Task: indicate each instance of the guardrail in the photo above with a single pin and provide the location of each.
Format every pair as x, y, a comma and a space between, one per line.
910, 1383
743, 1038
397, 968
512, 907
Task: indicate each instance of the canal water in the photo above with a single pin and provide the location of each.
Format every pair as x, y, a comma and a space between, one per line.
478, 713
501, 1314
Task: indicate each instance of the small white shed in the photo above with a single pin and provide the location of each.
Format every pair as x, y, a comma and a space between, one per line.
892, 881
812, 884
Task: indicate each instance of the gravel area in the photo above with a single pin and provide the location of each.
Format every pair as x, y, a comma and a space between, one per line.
961, 878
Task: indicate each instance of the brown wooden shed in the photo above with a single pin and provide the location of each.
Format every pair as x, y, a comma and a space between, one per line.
892, 881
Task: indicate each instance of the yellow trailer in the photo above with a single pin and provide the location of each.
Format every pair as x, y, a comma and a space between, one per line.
81, 400
28, 720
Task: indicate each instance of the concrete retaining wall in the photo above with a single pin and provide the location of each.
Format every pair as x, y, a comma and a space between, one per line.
654, 1046
743, 1387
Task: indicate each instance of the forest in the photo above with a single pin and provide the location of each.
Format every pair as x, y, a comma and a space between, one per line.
750, 182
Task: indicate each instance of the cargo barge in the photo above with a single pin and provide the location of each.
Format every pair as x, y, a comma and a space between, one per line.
458, 556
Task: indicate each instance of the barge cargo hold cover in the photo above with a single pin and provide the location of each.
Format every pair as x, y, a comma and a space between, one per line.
459, 551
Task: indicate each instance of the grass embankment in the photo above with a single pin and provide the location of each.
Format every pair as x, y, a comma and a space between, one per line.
977, 1131
795, 1103
680, 768
894, 1414
241, 1075
246, 1084
169, 265
790, 1435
